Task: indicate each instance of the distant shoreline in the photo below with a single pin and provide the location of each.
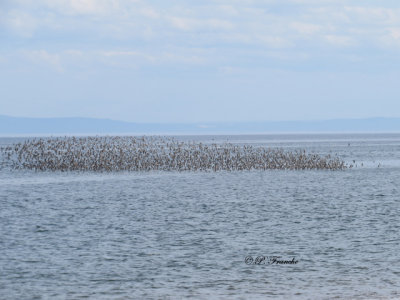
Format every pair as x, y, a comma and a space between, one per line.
172, 134
21, 127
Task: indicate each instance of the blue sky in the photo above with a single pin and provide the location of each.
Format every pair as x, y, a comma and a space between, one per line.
200, 61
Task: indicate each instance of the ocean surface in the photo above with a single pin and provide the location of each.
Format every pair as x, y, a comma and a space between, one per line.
208, 235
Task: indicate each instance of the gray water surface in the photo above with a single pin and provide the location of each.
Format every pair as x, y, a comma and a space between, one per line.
169, 235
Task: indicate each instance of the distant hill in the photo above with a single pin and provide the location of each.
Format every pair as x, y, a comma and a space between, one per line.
30, 126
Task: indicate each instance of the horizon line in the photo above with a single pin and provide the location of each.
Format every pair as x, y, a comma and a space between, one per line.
200, 122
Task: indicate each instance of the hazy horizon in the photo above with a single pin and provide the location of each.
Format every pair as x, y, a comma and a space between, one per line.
16, 126
196, 122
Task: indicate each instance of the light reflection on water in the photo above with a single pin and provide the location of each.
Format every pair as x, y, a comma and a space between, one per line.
178, 235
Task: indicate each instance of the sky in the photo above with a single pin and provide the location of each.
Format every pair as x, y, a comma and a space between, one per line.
200, 61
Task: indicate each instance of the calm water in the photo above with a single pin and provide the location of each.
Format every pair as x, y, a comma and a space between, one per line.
168, 235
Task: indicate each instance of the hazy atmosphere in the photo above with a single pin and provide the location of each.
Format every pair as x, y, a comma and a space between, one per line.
199, 61
199, 149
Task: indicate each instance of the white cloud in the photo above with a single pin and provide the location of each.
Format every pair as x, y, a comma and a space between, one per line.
228, 10
179, 56
394, 33
187, 58
20, 22
391, 38
275, 41
84, 6
305, 28
123, 54
152, 30
372, 15
44, 57
188, 24
339, 41
150, 12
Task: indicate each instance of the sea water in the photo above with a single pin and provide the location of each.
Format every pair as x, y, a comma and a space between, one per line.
208, 235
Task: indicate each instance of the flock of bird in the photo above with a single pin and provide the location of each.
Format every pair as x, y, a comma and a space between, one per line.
156, 153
